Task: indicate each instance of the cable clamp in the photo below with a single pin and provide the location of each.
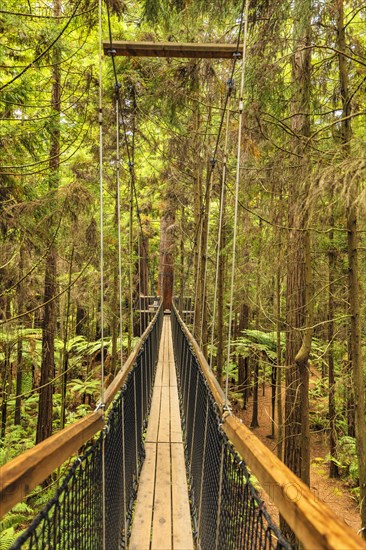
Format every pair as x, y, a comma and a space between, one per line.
237, 55
226, 411
131, 164
99, 407
111, 52
230, 83
213, 162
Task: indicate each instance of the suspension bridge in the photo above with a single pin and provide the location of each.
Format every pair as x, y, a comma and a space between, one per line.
165, 465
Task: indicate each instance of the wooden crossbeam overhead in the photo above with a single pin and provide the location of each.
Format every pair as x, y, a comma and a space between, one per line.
172, 49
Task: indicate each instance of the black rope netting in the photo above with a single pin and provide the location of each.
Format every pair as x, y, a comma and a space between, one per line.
228, 512
73, 519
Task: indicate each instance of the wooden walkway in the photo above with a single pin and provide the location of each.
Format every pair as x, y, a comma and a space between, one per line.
162, 516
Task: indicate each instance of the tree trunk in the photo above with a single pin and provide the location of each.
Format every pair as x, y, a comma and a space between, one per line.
198, 221
221, 293
243, 361
19, 364
65, 356
143, 271
182, 281
299, 276
279, 363
44, 422
254, 422
333, 468
5, 390
353, 271
166, 264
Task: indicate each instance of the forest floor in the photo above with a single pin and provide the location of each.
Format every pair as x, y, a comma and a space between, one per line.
335, 493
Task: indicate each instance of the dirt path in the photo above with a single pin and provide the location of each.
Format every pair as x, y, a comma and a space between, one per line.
333, 492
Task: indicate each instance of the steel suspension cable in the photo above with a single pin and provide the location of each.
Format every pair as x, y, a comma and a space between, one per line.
127, 144
224, 108
102, 404
237, 178
219, 234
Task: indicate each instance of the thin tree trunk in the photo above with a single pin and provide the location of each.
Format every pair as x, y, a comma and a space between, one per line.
254, 422
167, 245
5, 391
65, 357
19, 364
198, 219
279, 363
182, 262
44, 422
144, 253
221, 294
333, 468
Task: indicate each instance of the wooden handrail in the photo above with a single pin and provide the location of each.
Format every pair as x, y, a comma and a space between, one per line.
311, 520
19, 476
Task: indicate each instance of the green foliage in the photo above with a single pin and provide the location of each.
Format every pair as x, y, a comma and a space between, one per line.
84, 386
256, 342
347, 458
19, 516
7, 537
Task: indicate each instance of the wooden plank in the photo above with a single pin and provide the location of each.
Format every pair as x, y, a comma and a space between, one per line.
182, 527
153, 424
172, 375
172, 370
159, 374
172, 49
175, 421
165, 346
164, 418
160, 365
21, 475
142, 518
162, 527
312, 521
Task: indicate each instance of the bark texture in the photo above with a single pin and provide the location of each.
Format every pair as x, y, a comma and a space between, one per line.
44, 423
299, 280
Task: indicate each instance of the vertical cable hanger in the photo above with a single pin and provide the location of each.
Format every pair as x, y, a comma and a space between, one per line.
197, 236
102, 404
118, 182
237, 178
101, 199
221, 214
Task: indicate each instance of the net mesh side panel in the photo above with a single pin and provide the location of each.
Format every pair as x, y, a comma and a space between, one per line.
228, 512
73, 518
